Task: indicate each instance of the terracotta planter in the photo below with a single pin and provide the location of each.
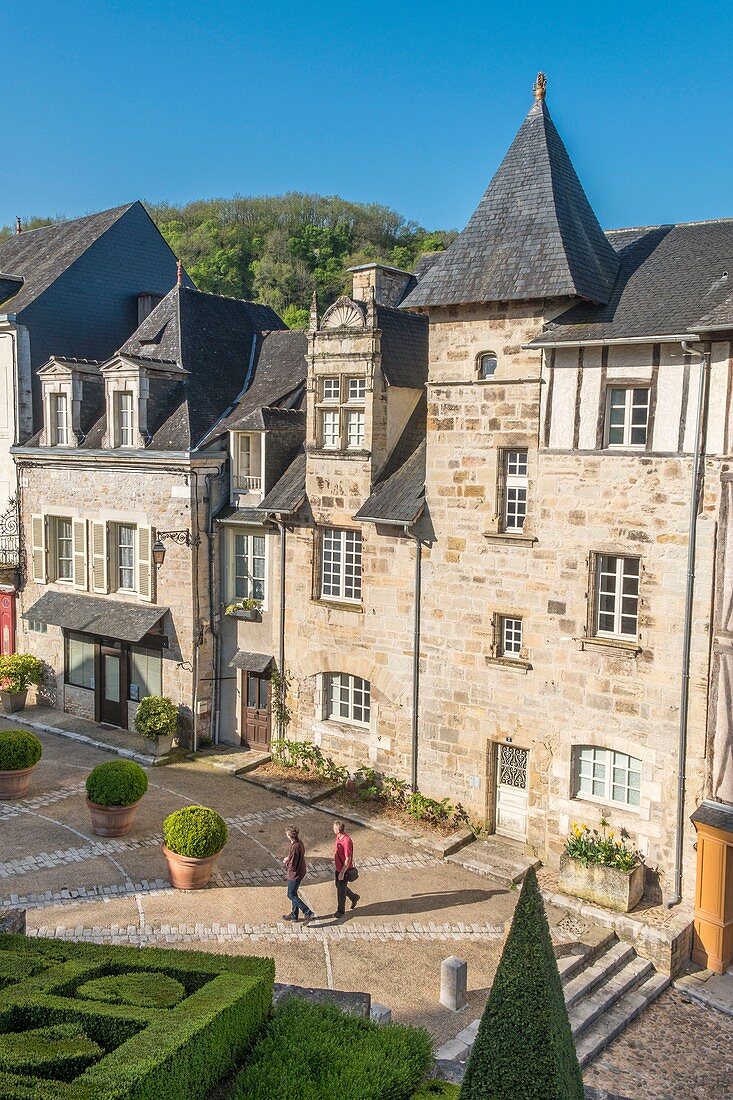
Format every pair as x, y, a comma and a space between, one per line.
13, 701
112, 820
15, 784
187, 873
606, 886
159, 746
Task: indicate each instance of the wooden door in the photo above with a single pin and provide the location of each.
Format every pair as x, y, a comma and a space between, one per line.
256, 711
113, 686
511, 792
7, 622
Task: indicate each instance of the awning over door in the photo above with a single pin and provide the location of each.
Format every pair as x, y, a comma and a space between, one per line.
127, 622
252, 662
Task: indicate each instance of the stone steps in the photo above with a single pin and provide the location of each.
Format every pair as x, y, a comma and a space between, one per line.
597, 1037
590, 977
498, 858
607, 993
575, 957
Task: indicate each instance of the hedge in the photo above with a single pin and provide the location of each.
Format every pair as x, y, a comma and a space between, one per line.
156, 716
146, 1052
61, 1051
437, 1090
146, 990
316, 1052
18, 749
524, 1046
116, 783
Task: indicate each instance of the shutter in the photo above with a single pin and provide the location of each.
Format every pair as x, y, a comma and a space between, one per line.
100, 563
79, 533
145, 563
40, 563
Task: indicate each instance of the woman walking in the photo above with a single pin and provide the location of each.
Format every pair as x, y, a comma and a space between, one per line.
295, 866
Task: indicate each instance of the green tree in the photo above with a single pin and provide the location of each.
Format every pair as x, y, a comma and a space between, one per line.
524, 1048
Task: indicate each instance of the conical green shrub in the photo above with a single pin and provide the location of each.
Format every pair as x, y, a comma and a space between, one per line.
524, 1048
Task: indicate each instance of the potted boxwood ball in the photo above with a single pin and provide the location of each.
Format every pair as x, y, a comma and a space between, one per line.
156, 718
192, 840
18, 671
20, 751
114, 792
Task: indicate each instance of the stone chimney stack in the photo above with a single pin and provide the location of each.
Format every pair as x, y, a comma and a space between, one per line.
387, 284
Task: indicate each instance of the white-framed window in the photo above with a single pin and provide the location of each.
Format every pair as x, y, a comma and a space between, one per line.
330, 429
516, 485
617, 596
486, 364
249, 554
59, 420
608, 776
341, 564
125, 425
331, 390
125, 556
79, 661
627, 416
61, 529
510, 638
357, 391
355, 428
244, 454
37, 627
348, 698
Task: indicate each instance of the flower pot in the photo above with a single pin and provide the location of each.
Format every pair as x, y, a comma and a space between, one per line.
15, 784
160, 746
13, 701
188, 873
609, 887
111, 820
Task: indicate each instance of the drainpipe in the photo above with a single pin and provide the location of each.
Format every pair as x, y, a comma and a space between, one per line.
281, 655
699, 445
415, 655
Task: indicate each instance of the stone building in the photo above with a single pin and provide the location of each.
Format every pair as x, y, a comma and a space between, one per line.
577, 421
135, 471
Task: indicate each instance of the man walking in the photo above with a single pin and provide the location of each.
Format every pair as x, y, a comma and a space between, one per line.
345, 872
295, 866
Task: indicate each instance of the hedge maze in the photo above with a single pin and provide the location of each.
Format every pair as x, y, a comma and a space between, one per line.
85, 1022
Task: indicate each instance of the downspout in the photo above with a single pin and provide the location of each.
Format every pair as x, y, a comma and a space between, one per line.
281, 653
196, 617
699, 445
213, 601
415, 656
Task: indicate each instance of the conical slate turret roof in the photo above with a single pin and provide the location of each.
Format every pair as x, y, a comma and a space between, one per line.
533, 235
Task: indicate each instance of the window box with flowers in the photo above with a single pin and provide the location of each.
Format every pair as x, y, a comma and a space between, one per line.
600, 866
249, 610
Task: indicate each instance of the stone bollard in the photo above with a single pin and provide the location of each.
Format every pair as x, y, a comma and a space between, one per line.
380, 1014
454, 983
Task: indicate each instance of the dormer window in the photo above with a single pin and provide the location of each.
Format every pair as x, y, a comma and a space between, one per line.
59, 420
487, 363
247, 462
125, 426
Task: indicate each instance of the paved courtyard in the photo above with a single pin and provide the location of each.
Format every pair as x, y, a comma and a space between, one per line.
414, 911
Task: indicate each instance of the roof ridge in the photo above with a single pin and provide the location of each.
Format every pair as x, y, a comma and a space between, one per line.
82, 218
669, 225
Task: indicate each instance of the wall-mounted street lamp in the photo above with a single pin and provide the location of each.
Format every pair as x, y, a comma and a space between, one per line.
182, 537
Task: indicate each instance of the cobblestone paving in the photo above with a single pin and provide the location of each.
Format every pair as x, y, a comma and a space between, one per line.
676, 1050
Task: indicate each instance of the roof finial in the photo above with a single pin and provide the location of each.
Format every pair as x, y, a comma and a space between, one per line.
179, 273
540, 87
314, 311
18, 227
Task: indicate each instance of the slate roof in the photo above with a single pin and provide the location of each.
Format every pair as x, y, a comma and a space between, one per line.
533, 235
398, 494
252, 662
269, 419
40, 256
129, 622
404, 347
671, 278
279, 376
289, 492
718, 815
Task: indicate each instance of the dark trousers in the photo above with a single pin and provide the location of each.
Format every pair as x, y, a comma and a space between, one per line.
296, 903
343, 892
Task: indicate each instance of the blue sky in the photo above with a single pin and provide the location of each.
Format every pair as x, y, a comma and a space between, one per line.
408, 104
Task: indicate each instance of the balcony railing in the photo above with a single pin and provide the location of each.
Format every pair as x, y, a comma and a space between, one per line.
248, 484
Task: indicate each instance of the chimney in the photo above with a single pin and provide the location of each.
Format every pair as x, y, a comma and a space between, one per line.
386, 284
18, 227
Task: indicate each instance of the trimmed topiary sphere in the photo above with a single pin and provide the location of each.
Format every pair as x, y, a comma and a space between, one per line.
157, 716
143, 989
18, 749
117, 783
195, 831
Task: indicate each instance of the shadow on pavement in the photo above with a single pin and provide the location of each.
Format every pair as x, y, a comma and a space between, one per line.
421, 903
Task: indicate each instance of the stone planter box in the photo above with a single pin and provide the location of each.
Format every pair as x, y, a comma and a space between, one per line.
13, 701
605, 886
159, 746
254, 615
